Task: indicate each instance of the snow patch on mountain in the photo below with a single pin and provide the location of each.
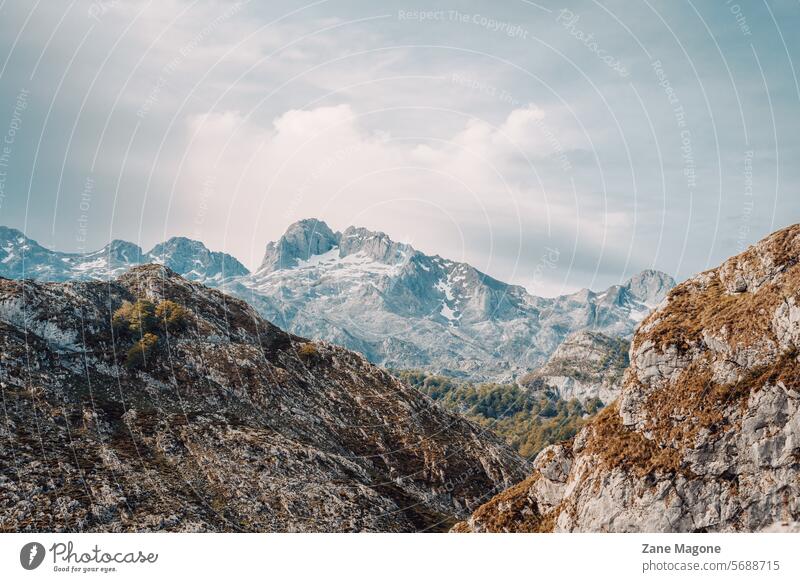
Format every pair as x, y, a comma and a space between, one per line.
21, 257
405, 309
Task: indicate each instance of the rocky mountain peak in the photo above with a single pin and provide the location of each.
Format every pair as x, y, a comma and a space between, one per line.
122, 252
13, 240
178, 249
8, 234
302, 240
705, 435
21, 256
649, 287
375, 245
311, 237
194, 259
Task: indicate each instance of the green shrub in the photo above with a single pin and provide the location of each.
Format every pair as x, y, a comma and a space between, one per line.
171, 316
141, 350
307, 351
136, 318
527, 419
145, 320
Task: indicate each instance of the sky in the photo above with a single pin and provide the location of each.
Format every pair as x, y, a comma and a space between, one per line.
556, 145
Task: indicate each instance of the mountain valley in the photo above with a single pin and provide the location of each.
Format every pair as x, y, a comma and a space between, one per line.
705, 435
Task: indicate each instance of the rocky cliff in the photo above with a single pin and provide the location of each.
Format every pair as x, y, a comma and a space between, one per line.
153, 403
585, 366
706, 433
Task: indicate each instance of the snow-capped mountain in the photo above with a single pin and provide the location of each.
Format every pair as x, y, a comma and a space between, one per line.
360, 289
405, 309
22, 257
194, 261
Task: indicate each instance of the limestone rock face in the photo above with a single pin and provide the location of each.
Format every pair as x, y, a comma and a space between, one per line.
226, 424
587, 365
302, 240
706, 433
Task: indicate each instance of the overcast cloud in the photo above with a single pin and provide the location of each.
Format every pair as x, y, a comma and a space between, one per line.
660, 134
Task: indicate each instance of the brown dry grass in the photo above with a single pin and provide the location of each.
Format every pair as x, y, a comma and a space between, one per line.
513, 510
678, 412
691, 310
615, 445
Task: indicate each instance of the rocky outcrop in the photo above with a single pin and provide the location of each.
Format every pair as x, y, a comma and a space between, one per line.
218, 421
587, 365
302, 240
706, 433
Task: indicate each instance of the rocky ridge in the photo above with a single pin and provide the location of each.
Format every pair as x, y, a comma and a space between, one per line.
706, 433
226, 423
22, 257
586, 365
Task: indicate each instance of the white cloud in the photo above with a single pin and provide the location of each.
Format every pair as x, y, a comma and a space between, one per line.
325, 162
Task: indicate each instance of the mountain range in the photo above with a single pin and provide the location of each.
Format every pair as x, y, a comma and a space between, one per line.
149, 402
399, 307
22, 257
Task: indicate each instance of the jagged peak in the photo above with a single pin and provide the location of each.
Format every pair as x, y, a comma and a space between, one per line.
12, 236
650, 274
118, 247
7, 232
305, 230
178, 242
309, 224
302, 239
119, 243
649, 286
184, 254
363, 232
311, 236
375, 244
